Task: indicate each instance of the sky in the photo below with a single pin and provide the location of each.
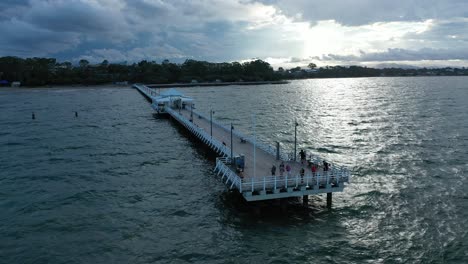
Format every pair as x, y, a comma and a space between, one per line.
286, 33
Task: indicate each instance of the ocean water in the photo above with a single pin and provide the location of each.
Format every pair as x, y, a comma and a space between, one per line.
117, 185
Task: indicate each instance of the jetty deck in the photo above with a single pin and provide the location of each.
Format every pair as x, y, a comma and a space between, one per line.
256, 182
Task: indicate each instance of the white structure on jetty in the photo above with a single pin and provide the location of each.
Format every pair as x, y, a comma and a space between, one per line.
251, 173
170, 99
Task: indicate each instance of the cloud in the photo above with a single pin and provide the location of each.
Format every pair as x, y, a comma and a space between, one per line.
193, 29
78, 17
363, 12
23, 39
291, 32
43, 28
402, 55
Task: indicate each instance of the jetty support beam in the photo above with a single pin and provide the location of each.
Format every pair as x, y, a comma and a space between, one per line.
329, 199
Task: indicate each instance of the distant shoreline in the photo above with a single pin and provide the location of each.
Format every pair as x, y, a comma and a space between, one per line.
187, 85
47, 72
172, 85
165, 85
71, 86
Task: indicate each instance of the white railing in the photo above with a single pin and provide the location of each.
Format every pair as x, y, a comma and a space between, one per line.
317, 181
319, 161
146, 90
267, 148
201, 134
226, 172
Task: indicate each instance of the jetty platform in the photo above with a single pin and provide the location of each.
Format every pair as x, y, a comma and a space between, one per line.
244, 164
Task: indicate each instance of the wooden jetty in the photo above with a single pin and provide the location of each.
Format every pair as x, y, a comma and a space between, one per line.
246, 165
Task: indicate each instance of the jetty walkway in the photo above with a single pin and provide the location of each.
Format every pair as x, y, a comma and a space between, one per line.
254, 180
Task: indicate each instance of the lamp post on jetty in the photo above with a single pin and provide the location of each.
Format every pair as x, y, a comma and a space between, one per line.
295, 138
254, 123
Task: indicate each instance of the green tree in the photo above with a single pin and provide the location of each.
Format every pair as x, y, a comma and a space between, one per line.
312, 66
104, 63
83, 63
67, 65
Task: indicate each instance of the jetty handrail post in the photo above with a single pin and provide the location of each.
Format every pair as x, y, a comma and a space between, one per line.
191, 112
231, 140
275, 183
252, 179
211, 122
264, 183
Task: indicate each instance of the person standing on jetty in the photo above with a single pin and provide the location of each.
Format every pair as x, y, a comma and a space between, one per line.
302, 172
314, 169
288, 169
281, 168
325, 166
303, 156
273, 170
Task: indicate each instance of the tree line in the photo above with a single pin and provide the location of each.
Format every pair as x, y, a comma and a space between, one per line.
358, 71
48, 71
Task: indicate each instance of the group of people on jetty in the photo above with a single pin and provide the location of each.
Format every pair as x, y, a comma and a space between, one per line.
306, 164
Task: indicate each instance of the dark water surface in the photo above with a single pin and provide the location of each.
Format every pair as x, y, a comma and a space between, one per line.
117, 185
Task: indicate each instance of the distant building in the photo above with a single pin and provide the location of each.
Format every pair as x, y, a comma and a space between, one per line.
15, 84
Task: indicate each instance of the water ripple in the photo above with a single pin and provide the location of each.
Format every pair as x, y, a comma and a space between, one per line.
118, 185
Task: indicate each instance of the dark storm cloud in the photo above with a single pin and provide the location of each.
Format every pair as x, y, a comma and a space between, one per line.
11, 8
4, 4
41, 28
24, 39
73, 16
